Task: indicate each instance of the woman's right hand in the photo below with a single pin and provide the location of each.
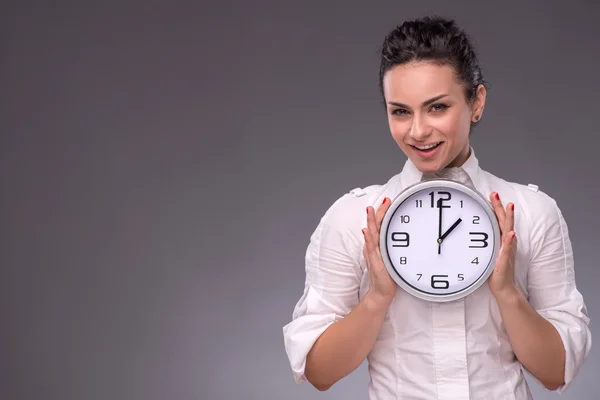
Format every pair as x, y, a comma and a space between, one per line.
381, 285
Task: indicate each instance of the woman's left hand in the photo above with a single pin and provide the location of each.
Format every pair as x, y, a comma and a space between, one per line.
502, 280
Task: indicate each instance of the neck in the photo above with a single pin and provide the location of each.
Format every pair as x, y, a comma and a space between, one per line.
462, 157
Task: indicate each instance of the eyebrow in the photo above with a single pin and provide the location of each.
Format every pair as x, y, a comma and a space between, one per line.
425, 103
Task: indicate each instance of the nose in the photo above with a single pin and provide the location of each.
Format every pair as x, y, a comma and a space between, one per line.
420, 130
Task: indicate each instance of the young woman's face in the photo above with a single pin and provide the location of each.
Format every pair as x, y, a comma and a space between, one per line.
428, 114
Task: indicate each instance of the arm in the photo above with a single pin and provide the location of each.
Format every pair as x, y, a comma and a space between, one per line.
552, 288
332, 331
346, 343
331, 287
549, 330
535, 341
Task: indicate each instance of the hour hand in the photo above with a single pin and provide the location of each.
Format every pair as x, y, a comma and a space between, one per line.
454, 225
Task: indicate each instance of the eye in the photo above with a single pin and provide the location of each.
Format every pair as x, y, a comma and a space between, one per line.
399, 111
439, 107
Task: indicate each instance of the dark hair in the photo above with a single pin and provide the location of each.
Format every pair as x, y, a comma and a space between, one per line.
436, 40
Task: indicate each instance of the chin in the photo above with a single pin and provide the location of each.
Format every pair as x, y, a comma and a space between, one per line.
429, 166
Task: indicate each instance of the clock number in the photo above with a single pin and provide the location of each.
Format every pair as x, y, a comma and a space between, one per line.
402, 260
483, 241
419, 203
405, 219
461, 204
475, 261
420, 275
404, 239
476, 220
441, 200
461, 277
439, 283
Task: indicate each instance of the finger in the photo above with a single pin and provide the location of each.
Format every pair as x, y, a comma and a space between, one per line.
385, 205
365, 247
371, 228
505, 251
372, 224
367, 236
509, 221
370, 249
498, 209
513, 244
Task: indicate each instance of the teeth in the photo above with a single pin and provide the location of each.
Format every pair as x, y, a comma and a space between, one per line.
431, 146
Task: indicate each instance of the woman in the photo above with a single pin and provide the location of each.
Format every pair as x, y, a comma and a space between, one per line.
529, 314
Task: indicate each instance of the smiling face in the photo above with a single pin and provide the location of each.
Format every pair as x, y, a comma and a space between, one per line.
429, 115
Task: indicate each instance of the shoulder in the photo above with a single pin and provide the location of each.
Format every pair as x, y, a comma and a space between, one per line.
340, 226
534, 203
350, 207
527, 194
346, 215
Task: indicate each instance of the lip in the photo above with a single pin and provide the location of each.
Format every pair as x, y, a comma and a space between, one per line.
429, 153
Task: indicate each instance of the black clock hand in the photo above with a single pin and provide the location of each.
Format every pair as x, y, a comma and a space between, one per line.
439, 204
454, 225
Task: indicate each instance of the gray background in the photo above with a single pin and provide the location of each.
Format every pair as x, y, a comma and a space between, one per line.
163, 165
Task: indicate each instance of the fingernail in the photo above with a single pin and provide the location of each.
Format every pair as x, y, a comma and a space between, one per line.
384, 200
497, 196
363, 231
367, 210
512, 207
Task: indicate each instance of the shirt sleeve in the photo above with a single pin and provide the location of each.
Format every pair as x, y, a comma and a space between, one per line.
552, 289
331, 289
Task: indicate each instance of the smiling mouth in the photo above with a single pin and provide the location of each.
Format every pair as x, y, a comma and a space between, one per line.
428, 147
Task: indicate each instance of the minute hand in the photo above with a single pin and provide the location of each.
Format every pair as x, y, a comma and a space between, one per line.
454, 225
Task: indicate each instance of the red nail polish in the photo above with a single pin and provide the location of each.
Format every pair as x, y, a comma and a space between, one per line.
512, 207
363, 231
384, 200
497, 196
367, 210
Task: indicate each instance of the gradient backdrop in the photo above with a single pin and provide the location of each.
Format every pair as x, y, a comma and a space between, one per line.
163, 164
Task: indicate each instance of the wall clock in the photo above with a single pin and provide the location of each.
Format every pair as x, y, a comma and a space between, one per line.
439, 240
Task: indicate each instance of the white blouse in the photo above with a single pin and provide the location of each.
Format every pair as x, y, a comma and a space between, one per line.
447, 351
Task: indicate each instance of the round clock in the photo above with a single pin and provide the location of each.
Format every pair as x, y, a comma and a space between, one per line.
439, 240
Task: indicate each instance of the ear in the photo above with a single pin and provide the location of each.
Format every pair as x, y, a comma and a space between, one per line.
478, 103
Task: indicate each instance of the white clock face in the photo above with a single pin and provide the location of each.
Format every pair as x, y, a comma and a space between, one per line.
439, 240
